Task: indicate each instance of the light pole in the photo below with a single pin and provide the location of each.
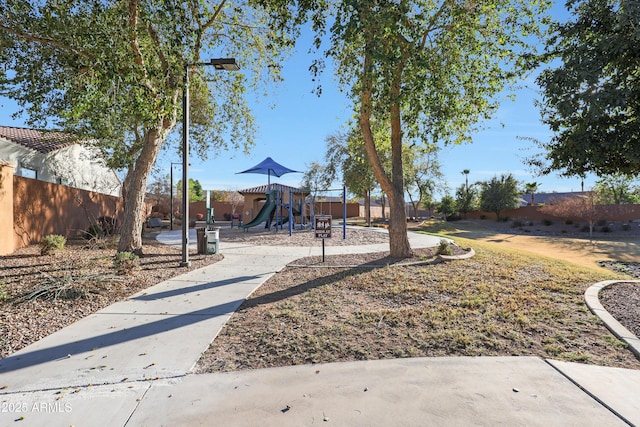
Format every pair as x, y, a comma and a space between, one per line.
226, 64
171, 194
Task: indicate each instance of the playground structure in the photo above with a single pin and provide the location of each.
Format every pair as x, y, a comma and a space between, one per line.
275, 205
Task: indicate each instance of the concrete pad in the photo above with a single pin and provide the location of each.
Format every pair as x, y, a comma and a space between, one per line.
422, 391
110, 405
617, 388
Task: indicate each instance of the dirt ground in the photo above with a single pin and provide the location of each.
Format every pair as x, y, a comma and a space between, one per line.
552, 242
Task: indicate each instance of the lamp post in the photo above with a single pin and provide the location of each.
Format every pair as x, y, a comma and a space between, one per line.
226, 64
171, 194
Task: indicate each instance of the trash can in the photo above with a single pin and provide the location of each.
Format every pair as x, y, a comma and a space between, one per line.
212, 237
201, 240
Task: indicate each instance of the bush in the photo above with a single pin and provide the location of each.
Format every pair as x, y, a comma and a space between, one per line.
601, 222
52, 243
605, 229
568, 222
125, 262
483, 216
626, 227
517, 224
4, 292
585, 229
93, 232
444, 248
547, 222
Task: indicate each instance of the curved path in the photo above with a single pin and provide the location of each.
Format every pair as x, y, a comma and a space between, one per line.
131, 363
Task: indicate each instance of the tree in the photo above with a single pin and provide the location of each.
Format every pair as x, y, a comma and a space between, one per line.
447, 206
500, 194
616, 189
196, 193
422, 174
532, 188
466, 199
429, 69
584, 207
592, 100
346, 156
112, 72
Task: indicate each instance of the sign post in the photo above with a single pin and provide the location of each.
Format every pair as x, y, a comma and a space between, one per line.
323, 229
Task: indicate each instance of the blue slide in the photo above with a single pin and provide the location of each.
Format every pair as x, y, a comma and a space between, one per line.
265, 211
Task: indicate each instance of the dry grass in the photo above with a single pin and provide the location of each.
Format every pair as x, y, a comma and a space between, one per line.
501, 302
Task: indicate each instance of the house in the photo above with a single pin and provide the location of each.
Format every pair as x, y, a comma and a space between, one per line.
58, 158
546, 198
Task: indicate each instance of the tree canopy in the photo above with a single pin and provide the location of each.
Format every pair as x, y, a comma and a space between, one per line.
112, 72
591, 101
499, 194
430, 69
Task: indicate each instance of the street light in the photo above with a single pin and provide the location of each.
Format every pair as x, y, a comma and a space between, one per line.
171, 194
225, 64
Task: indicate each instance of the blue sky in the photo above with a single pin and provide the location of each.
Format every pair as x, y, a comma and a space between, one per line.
294, 132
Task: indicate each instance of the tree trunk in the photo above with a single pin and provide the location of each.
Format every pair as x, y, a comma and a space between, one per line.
367, 207
398, 240
136, 184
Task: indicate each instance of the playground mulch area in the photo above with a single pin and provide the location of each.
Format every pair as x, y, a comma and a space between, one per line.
302, 237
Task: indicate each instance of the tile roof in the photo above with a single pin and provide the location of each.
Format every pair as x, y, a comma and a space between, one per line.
262, 189
41, 141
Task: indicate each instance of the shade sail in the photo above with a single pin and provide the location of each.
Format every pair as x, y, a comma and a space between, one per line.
269, 167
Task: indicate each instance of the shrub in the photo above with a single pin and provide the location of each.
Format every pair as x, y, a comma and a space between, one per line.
125, 262
94, 231
483, 216
605, 229
517, 224
601, 222
547, 222
4, 292
568, 222
52, 243
626, 227
444, 248
585, 229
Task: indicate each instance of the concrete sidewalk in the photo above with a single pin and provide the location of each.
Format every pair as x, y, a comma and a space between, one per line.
130, 364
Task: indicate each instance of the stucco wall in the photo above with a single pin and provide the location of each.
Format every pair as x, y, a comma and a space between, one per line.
6, 208
41, 208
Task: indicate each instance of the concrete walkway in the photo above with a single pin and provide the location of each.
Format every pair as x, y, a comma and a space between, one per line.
130, 365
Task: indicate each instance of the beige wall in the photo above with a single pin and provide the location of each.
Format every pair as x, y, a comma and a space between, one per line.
534, 213
42, 208
6, 208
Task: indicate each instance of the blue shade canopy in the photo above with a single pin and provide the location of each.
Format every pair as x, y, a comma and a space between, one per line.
269, 167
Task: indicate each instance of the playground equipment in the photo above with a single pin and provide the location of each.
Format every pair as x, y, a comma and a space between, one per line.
265, 212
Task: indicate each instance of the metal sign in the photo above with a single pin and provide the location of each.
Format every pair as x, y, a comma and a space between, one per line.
323, 226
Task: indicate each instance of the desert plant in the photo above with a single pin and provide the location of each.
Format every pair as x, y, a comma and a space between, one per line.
569, 222
444, 248
517, 224
4, 292
601, 222
547, 222
125, 262
94, 231
52, 243
626, 227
